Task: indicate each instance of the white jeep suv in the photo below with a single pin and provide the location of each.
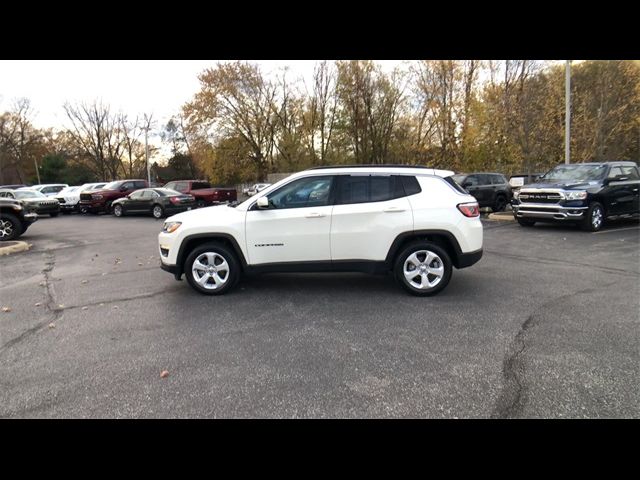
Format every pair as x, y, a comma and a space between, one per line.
414, 221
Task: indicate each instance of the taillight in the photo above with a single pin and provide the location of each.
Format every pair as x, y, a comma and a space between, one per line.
174, 200
470, 209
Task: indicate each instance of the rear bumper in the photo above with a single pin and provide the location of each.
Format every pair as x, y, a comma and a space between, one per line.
468, 259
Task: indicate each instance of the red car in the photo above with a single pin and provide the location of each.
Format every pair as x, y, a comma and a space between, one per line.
203, 192
101, 200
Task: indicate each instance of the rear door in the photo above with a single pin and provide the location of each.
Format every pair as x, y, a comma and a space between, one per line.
370, 212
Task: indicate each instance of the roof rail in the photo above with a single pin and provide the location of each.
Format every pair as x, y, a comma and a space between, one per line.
370, 165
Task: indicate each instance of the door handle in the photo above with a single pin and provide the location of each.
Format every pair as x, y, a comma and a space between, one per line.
393, 209
315, 215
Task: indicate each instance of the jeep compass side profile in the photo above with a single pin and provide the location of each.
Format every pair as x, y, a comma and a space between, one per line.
416, 222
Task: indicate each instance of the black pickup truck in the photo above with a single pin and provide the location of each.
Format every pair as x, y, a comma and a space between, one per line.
584, 193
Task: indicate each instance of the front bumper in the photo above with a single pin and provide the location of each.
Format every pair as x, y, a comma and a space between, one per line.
554, 212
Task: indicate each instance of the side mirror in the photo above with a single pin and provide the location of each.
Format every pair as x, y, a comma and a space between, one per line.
467, 184
123, 189
263, 202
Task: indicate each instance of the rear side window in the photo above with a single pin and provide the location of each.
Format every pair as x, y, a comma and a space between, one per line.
198, 185
181, 186
498, 179
411, 185
368, 188
452, 181
631, 172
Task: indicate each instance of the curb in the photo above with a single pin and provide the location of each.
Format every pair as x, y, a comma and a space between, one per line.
7, 248
503, 216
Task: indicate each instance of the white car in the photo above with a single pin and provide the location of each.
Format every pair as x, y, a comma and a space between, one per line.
416, 222
48, 189
69, 197
258, 187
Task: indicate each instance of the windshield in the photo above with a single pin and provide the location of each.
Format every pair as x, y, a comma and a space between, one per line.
581, 173
111, 186
67, 190
22, 194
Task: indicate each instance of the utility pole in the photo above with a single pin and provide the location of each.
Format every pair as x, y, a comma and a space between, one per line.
147, 125
37, 170
567, 113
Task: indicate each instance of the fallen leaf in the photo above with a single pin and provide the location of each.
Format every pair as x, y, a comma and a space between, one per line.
139, 264
101, 305
6, 309
61, 306
52, 325
85, 308
164, 374
84, 281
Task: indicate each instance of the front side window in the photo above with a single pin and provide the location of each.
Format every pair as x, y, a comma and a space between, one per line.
136, 195
301, 193
139, 184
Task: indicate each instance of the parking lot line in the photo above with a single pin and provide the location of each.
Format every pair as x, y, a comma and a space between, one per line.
617, 230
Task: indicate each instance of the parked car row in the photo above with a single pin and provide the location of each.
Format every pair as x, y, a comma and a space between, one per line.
122, 197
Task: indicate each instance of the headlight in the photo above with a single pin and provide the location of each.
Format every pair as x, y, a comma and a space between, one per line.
96, 197
17, 207
170, 227
575, 195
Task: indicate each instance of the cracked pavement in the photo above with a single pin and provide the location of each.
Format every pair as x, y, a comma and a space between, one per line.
546, 325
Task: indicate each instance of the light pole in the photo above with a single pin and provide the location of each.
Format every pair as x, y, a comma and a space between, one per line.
567, 113
147, 120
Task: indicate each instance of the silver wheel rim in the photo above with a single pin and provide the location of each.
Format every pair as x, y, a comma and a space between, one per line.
157, 212
6, 228
117, 210
210, 270
596, 217
423, 269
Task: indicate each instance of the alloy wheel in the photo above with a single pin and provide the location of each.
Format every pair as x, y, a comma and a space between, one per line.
210, 270
423, 269
6, 228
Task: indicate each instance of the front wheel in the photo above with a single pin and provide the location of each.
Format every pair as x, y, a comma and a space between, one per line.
10, 227
212, 269
118, 211
525, 222
594, 219
423, 268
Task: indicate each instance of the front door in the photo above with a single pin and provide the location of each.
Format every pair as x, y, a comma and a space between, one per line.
295, 227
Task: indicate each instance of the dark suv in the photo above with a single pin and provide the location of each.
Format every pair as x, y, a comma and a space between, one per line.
14, 220
582, 193
100, 200
490, 189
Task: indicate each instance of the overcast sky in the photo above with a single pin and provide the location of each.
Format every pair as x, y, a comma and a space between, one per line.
160, 87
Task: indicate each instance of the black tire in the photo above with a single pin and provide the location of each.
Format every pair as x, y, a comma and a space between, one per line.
118, 211
594, 218
500, 204
201, 204
10, 227
66, 212
157, 211
84, 210
107, 208
525, 222
53, 215
443, 260
232, 276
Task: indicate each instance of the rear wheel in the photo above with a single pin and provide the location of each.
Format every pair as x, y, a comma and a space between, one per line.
501, 204
157, 211
201, 204
423, 268
525, 222
594, 219
212, 269
10, 227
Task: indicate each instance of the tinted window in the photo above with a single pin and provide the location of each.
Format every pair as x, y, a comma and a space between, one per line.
410, 184
450, 181
197, 185
304, 192
369, 188
170, 185
498, 179
631, 172
127, 185
140, 184
472, 180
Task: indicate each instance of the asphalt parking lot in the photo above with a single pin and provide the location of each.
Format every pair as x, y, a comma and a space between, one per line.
545, 325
